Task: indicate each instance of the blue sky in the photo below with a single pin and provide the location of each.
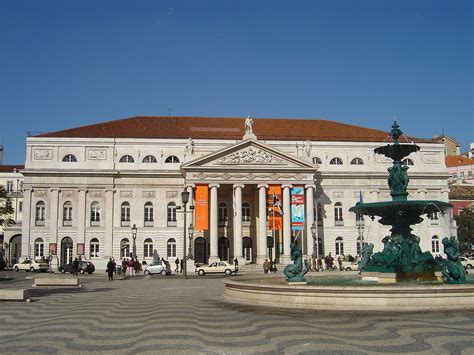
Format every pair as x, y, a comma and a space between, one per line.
70, 63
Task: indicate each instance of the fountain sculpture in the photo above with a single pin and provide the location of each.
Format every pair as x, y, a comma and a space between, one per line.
401, 254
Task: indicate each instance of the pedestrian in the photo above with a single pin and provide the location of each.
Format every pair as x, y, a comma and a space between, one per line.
275, 266
124, 267
75, 266
177, 265
339, 262
111, 269
266, 266
182, 265
320, 265
329, 262
136, 265
271, 265
236, 265
131, 267
50, 260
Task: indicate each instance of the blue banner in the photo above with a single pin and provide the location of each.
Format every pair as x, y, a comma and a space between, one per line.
297, 208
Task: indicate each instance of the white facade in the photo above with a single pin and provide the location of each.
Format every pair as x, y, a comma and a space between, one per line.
61, 197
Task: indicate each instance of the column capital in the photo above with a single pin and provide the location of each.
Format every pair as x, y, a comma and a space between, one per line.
286, 186
214, 185
238, 185
262, 186
310, 186
190, 185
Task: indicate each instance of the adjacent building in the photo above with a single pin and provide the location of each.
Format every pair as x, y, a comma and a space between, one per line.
254, 185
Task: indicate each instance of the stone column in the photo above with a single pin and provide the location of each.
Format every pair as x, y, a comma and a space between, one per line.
53, 222
237, 233
285, 258
28, 213
309, 218
81, 215
213, 227
109, 225
262, 224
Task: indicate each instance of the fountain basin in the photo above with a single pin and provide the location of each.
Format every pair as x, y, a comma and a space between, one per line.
380, 298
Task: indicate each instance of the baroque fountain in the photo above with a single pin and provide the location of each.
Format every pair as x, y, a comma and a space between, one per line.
401, 277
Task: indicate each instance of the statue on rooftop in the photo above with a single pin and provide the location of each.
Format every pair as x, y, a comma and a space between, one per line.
248, 125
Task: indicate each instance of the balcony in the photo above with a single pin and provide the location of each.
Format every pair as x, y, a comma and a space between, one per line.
67, 223
149, 223
95, 223
339, 222
172, 223
125, 223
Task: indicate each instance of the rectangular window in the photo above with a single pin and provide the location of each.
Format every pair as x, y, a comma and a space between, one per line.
171, 250
469, 173
20, 206
461, 174
39, 250
9, 186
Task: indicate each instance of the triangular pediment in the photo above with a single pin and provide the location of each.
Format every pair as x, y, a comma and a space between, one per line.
248, 154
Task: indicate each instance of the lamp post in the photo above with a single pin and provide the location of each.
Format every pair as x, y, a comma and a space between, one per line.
134, 237
184, 199
315, 240
190, 249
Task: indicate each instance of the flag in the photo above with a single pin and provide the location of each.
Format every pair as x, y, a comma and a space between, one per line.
233, 203
277, 203
361, 200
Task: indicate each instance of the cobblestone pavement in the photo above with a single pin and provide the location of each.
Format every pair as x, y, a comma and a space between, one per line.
171, 315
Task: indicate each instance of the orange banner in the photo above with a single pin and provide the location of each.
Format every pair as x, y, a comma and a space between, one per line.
275, 207
202, 207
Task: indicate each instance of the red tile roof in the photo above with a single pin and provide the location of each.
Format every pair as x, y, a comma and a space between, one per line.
225, 128
458, 160
10, 168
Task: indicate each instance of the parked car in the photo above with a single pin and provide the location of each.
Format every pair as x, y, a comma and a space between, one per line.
158, 267
31, 265
468, 263
84, 266
220, 267
350, 265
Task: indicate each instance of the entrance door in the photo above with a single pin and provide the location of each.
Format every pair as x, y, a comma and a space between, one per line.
223, 248
270, 245
247, 249
66, 251
15, 249
200, 256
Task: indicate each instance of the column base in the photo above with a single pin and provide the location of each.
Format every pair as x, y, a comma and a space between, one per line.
285, 260
214, 259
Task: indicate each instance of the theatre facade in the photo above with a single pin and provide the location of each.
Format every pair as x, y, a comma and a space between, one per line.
254, 185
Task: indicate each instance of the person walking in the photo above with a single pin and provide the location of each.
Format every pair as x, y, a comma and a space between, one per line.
75, 266
110, 269
236, 265
131, 267
320, 265
274, 266
266, 266
177, 265
124, 267
182, 265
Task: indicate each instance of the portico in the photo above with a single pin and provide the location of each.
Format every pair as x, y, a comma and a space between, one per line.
238, 179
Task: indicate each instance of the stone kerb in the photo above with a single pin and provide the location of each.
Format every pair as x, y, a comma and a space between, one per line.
69, 282
14, 295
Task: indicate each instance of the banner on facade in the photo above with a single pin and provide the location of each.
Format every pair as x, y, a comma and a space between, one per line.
202, 207
53, 249
275, 219
297, 208
80, 249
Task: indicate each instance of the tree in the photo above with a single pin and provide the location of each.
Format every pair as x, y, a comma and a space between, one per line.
6, 209
465, 222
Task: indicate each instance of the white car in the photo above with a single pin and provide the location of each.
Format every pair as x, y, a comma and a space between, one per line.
31, 265
466, 262
220, 267
158, 267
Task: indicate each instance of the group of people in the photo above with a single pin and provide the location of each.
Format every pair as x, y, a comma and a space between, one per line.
179, 263
269, 265
131, 265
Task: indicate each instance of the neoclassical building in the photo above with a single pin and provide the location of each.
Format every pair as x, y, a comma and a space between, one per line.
253, 185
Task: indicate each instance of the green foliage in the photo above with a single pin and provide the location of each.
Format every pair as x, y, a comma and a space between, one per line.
465, 222
6, 209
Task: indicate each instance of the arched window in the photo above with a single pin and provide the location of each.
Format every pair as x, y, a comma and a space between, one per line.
435, 244
127, 159
124, 248
70, 158
338, 214
40, 213
171, 214
149, 211
95, 214
336, 161
149, 159
67, 214
222, 214
125, 214
357, 161
148, 248
408, 161
317, 161
39, 248
339, 246
245, 212
171, 248
172, 159
94, 248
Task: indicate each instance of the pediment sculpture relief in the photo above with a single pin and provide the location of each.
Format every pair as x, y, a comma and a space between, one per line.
251, 157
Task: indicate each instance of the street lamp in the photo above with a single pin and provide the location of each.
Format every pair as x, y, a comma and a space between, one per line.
185, 200
190, 234
134, 237
315, 240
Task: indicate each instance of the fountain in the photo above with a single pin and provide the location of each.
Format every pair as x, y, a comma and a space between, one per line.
401, 277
